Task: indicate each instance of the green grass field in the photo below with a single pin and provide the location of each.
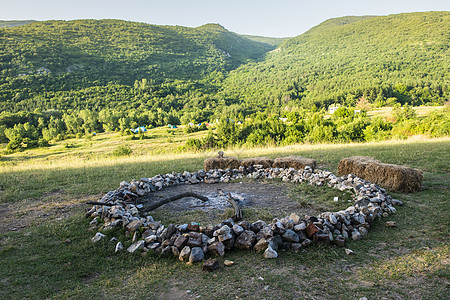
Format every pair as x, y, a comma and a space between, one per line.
46, 252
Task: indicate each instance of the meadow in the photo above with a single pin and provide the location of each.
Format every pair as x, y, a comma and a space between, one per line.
46, 251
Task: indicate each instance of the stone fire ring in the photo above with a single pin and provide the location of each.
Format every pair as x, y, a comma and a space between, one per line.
192, 242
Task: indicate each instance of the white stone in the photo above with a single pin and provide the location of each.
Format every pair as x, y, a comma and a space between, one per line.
119, 247
136, 246
98, 237
270, 253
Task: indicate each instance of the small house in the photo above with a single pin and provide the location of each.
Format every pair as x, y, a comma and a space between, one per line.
332, 109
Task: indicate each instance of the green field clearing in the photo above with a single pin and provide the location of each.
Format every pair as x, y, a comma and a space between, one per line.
386, 112
52, 255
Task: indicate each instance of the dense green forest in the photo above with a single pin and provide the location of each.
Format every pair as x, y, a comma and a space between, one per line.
65, 78
399, 58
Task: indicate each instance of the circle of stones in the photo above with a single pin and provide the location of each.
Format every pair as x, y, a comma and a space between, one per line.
191, 242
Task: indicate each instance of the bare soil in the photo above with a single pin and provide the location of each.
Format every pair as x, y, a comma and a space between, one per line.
52, 206
275, 198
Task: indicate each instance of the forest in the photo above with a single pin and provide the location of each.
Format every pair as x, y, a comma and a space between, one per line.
60, 79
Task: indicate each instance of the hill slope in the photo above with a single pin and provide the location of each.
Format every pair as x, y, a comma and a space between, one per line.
14, 23
71, 55
403, 56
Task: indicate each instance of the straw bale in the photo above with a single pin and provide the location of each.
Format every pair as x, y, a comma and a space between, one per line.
389, 176
296, 162
264, 161
221, 163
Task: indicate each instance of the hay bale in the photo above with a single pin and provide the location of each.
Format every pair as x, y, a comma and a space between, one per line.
296, 162
221, 163
389, 176
263, 161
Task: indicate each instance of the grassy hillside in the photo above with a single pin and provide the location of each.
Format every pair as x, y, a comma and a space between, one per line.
47, 253
397, 58
40, 59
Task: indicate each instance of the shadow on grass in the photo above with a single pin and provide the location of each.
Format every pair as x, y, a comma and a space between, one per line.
58, 260
87, 179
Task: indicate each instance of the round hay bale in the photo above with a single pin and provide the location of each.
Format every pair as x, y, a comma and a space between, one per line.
296, 162
263, 161
221, 163
389, 176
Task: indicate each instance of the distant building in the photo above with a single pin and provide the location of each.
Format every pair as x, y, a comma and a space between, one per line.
332, 109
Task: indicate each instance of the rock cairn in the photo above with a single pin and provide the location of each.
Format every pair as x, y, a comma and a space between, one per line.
192, 242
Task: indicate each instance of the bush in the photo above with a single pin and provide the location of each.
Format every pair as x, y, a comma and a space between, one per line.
122, 150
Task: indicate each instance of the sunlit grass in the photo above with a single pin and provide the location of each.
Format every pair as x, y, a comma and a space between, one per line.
56, 259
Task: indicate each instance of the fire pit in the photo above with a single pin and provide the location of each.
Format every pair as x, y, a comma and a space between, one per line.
192, 242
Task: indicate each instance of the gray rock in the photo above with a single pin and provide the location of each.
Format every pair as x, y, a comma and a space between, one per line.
228, 222
166, 251
391, 224
175, 251
290, 236
225, 237
245, 224
356, 236
153, 246
136, 246
196, 255
195, 239
171, 229
217, 248
397, 202
270, 253
224, 230
151, 239
267, 231
154, 225
238, 229
211, 265
183, 227
306, 243
245, 240
363, 231
119, 247
340, 240
262, 245
94, 222
332, 219
181, 241
273, 243
278, 228
296, 247
257, 226
300, 226
295, 218
134, 225
98, 237
184, 254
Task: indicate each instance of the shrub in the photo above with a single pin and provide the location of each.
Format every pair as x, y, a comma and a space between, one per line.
122, 150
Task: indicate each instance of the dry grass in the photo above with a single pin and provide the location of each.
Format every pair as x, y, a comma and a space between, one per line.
263, 161
387, 111
221, 163
390, 176
296, 162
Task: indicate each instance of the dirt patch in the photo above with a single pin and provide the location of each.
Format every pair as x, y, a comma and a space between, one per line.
274, 197
52, 206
